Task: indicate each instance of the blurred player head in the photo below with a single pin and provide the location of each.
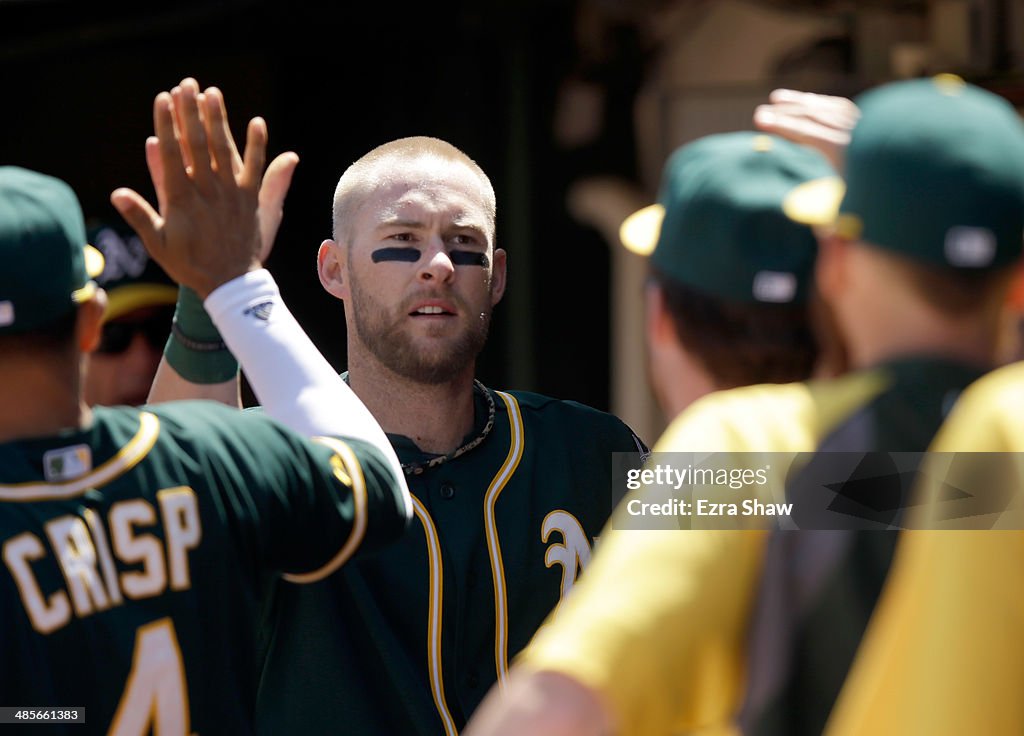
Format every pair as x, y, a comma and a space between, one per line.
137, 321
50, 309
919, 245
729, 298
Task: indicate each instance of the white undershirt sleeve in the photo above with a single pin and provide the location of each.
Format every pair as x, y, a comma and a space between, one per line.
293, 381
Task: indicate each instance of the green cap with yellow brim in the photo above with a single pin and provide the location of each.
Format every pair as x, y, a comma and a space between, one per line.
719, 227
48, 266
934, 171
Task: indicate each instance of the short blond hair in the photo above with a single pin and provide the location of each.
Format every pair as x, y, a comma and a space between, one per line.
384, 163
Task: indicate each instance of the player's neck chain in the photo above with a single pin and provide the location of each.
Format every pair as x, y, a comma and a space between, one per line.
419, 468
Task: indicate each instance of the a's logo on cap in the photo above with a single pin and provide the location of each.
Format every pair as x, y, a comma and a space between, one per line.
777, 287
970, 247
6, 314
124, 258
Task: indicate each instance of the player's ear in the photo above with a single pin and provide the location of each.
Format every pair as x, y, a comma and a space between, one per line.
830, 266
89, 323
498, 273
658, 321
332, 267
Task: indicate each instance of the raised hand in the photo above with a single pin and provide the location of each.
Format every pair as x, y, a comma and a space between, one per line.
823, 122
214, 221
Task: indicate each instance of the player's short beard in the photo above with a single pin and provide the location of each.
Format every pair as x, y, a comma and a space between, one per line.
384, 338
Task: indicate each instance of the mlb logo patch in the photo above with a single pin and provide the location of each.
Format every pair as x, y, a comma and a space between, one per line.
67, 463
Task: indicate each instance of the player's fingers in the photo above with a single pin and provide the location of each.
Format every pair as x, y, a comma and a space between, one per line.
179, 129
277, 180
155, 165
255, 154
799, 128
836, 111
842, 110
142, 218
175, 179
836, 119
236, 157
186, 103
828, 141
273, 191
786, 95
805, 98
222, 148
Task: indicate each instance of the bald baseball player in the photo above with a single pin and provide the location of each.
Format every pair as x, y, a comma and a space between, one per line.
684, 631
510, 488
136, 543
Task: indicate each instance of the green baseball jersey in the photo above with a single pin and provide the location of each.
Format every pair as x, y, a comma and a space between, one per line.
408, 640
136, 551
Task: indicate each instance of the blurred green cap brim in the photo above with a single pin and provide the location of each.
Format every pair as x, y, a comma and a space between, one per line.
94, 261
125, 299
815, 202
639, 232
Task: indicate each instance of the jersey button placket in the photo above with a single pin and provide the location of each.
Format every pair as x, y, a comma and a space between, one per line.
447, 491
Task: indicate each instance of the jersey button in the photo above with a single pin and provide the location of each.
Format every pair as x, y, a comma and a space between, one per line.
447, 491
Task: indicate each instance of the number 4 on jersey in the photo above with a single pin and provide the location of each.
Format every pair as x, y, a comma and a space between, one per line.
155, 698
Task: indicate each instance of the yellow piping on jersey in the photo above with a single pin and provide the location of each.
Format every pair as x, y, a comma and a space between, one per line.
126, 458
515, 454
434, 617
353, 472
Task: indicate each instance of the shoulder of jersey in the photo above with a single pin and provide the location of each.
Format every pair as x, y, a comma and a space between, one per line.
195, 412
789, 417
567, 413
529, 401
987, 416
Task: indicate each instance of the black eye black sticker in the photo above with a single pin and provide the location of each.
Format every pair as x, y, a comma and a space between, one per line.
406, 255
468, 258
411, 255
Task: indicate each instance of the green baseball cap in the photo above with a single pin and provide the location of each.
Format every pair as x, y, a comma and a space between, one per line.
719, 227
48, 264
130, 277
934, 171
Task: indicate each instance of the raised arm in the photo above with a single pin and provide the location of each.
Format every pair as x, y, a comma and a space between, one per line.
209, 236
197, 363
